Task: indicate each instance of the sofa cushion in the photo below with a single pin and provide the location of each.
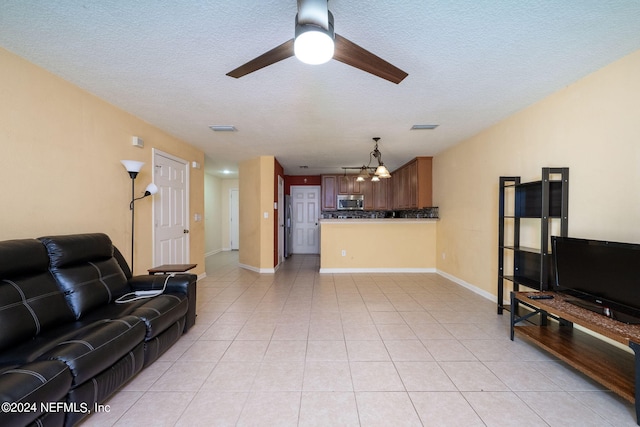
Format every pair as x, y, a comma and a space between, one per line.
98, 347
72, 249
157, 345
30, 299
158, 313
105, 384
30, 384
23, 256
85, 269
161, 312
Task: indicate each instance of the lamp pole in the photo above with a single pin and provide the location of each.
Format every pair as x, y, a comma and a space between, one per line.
133, 167
133, 187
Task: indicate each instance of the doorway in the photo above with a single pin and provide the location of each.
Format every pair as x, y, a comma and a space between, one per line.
305, 203
170, 209
234, 222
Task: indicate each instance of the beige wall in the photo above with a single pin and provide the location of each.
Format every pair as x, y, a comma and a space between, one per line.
61, 170
256, 200
592, 126
377, 245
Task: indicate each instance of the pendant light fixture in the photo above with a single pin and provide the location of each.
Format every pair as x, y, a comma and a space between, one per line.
381, 170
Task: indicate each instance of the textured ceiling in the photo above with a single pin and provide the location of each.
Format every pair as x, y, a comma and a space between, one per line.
470, 64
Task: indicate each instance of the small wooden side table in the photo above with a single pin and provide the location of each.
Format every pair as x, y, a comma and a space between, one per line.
171, 268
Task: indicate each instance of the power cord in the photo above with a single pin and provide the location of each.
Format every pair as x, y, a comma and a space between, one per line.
139, 295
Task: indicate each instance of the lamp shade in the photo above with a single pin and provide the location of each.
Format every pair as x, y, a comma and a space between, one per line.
132, 165
383, 172
363, 175
151, 189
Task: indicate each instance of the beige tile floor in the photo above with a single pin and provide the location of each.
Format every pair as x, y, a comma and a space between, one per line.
297, 348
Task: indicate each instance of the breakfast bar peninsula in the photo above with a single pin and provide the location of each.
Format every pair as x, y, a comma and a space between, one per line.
378, 245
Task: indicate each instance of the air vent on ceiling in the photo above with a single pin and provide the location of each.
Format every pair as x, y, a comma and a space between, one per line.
223, 128
423, 127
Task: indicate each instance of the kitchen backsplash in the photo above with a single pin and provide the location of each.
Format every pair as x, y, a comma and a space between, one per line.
411, 213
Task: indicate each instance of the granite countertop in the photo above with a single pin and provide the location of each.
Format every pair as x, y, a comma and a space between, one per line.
375, 220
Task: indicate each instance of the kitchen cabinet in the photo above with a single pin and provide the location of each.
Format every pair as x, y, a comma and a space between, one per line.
329, 191
381, 193
347, 184
411, 184
376, 194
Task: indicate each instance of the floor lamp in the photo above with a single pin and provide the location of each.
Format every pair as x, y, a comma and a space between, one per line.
133, 167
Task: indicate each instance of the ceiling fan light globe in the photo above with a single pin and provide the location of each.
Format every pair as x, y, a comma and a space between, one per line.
313, 47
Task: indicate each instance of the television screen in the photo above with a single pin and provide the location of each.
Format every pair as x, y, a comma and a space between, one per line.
603, 274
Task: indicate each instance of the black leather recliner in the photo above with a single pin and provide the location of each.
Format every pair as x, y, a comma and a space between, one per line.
63, 337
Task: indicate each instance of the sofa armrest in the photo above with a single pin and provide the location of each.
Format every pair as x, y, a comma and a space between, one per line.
182, 283
179, 283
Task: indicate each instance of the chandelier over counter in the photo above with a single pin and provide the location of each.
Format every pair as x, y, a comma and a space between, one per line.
381, 170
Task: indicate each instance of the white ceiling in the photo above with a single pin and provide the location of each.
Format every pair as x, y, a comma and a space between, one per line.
471, 63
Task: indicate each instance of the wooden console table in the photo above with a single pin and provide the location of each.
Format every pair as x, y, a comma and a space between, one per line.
171, 268
611, 366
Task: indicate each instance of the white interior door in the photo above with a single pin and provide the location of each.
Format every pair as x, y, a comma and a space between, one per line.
305, 203
171, 209
234, 215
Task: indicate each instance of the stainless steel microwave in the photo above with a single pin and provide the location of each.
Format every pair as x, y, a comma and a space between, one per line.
351, 202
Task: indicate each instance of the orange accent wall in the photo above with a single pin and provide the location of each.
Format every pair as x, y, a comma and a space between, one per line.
290, 180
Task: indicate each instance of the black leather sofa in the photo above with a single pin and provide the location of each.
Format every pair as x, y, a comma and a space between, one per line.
65, 343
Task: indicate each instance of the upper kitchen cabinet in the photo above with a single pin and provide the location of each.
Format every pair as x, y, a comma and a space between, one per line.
329, 191
347, 184
412, 184
376, 194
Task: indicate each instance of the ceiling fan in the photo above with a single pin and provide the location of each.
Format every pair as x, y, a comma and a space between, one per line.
314, 23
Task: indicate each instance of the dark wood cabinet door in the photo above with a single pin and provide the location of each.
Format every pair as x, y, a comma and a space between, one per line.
329, 191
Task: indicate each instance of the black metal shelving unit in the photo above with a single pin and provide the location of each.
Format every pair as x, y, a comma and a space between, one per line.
545, 200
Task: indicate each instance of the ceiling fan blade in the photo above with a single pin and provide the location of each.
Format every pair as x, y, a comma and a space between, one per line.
284, 51
350, 53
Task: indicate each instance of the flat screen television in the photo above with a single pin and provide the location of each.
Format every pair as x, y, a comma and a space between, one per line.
598, 275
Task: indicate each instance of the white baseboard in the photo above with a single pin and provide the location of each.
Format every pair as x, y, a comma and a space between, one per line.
376, 270
469, 286
257, 269
448, 276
